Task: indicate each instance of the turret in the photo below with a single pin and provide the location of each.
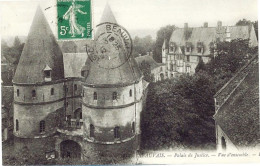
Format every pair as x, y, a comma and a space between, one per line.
112, 88
38, 82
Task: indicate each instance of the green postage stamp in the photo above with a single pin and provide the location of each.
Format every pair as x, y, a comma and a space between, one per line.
74, 19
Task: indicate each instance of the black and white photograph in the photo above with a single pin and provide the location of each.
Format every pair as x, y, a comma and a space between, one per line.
129, 82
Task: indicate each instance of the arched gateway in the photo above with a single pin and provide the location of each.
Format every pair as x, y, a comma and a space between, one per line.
70, 149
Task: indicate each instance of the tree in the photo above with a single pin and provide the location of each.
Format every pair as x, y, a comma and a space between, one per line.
244, 22
146, 70
142, 45
179, 113
200, 66
163, 33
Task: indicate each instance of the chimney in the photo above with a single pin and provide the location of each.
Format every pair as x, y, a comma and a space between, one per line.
219, 24
205, 25
186, 26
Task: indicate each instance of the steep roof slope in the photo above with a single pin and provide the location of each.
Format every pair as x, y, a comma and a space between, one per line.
206, 35
239, 115
127, 72
40, 50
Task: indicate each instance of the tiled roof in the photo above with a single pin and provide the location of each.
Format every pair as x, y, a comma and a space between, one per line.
124, 69
147, 58
207, 35
239, 115
40, 49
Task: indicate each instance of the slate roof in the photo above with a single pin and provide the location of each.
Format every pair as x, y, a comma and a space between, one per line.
40, 49
73, 63
147, 58
207, 35
239, 115
127, 72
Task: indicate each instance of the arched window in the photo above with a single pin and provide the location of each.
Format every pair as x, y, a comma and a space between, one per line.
75, 87
133, 127
42, 126
117, 132
92, 130
223, 143
83, 93
16, 125
33, 93
52, 91
17, 92
95, 96
130, 93
114, 96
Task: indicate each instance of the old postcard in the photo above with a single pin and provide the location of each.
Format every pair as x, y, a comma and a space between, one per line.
87, 82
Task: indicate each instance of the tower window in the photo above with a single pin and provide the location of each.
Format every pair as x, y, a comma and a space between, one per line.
133, 127
95, 96
52, 91
114, 96
17, 92
75, 87
67, 104
92, 130
223, 143
47, 74
187, 49
42, 126
33, 93
117, 132
83, 93
16, 125
130, 93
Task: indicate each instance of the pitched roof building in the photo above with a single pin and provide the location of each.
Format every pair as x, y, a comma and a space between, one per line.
237, 109
188, 45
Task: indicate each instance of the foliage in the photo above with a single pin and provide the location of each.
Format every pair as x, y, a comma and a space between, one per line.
200, 66
146, 70
163, 33
142, 45
179, 112
12, 54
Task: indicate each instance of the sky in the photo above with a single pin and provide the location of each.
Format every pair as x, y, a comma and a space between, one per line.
16, 16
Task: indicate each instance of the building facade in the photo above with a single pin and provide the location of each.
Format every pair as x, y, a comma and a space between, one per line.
61, 111
188, 45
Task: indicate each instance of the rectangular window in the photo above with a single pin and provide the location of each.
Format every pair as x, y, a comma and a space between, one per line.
17, 92
33, 93
188, 58
47, 73
199, 49
75, 87
114, 96
188, 69
187, 49
116, 132
42, 126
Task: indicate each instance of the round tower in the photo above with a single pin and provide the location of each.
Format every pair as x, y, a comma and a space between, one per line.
38, 88
112, 97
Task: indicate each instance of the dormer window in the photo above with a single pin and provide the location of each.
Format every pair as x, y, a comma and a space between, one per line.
188, 46
200, 47
172, 47
47, 73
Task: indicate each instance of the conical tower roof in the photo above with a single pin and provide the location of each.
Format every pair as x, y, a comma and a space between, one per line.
40, 50
123, 70
108, 15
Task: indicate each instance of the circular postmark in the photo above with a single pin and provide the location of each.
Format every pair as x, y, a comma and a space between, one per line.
112, 46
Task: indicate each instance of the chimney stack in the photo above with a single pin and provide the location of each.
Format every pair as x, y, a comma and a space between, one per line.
186, 26
206, 25
219, 24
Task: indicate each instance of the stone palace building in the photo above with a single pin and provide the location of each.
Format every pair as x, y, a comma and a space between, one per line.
67, 107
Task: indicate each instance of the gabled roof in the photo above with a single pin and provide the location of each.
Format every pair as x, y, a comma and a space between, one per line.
239, 115
126, 70
40, 49
207, 35
147, 58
